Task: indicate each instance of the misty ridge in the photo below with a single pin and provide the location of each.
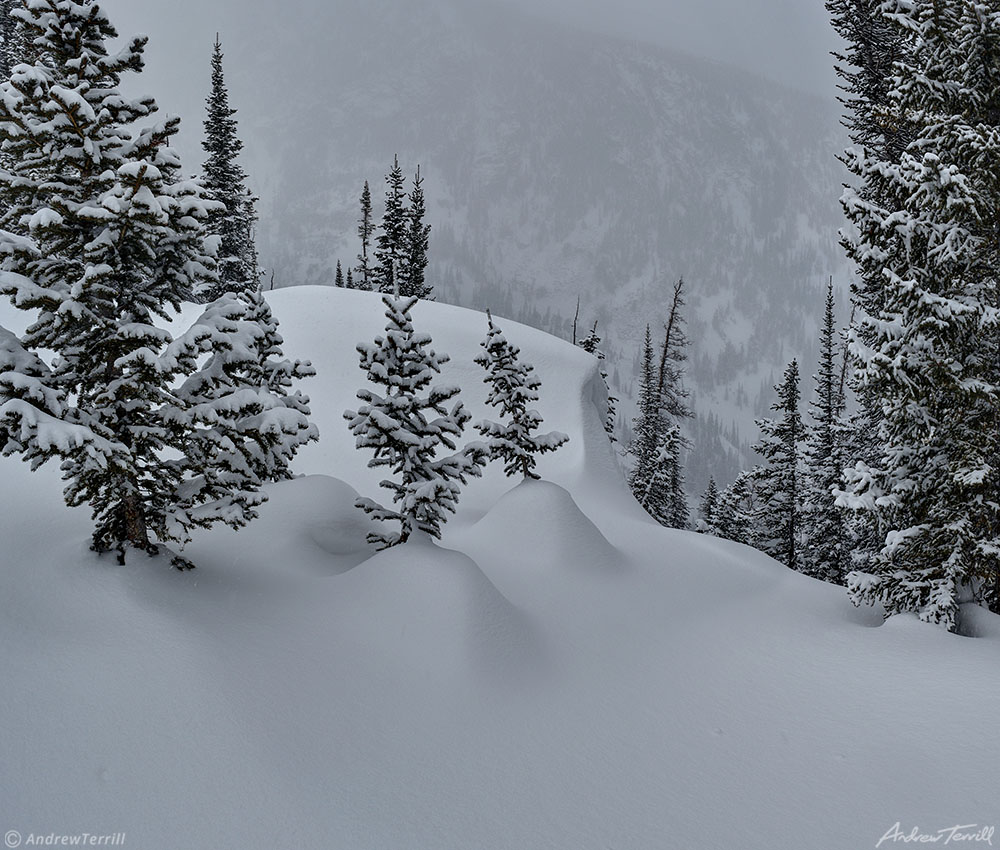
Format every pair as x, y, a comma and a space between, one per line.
559, 164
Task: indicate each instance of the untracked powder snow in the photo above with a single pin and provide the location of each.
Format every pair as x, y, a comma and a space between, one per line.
558, 671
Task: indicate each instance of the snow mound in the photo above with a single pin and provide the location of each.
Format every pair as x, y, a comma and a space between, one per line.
552, 535
409, 598
325, 325
307, 525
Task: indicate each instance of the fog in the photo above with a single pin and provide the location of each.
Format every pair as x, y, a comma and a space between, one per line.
559, 165
785, 40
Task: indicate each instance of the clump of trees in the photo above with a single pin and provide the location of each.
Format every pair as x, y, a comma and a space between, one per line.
101, 240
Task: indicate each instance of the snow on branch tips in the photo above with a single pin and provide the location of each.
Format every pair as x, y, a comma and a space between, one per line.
407, 426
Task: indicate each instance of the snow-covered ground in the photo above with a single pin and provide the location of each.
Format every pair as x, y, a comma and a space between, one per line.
559, 672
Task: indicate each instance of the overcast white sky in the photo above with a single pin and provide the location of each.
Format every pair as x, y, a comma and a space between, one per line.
787, 40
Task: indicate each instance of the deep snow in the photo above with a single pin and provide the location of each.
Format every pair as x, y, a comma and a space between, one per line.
559, 672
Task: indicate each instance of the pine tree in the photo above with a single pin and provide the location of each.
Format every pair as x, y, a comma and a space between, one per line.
591, 344
657, 478
927, 341
250, 425
338, 279
350, 280
708, 510
397, 429
827, 548
412, 272
366, 227
646, 429
11, 39
513, 386
738, 515
102, 238
780, 480
667, 485
874, 46
225, 181
390, 251
673, 354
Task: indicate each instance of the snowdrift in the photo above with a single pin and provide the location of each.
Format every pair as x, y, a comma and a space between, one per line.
557, 672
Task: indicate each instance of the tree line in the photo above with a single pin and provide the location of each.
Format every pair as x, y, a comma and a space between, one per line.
895, 492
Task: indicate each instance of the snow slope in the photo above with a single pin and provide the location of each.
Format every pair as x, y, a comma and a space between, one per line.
558, 673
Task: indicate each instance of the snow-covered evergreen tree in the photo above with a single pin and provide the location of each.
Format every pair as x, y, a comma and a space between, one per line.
657, 477
708, 510
592, 341
780, 479
338, 278
738, 514
827, 540
666, 487
11, 39
397, 428
873, 46
673, 356
366, 227
927, 339
513, 387
100, 237
646, 429
391, 242
225, 179
413, 270
592, 345
248, 425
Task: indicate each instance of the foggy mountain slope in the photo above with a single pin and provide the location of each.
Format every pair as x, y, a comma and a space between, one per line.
558, 164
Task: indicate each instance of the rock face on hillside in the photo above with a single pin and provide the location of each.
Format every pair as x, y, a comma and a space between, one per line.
558, 164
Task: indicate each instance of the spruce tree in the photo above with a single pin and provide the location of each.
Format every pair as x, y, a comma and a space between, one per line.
646, 429
225, 180
390, 251
828, 544
412, 272
513, 386
708, 510
591, 344
873, 46
667, 485
738, 515
657, 478
397, 428
366, 227
102, 239
350, 280
249, 423
780, 480
11, 39
926, 346
673, 355
338, 278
